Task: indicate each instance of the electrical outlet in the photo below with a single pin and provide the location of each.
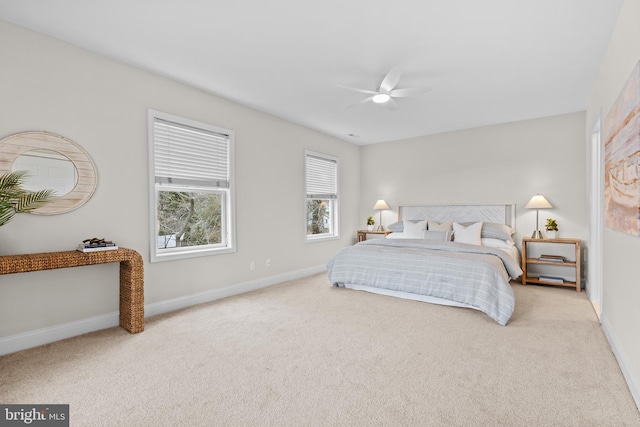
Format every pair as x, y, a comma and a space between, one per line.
267, 262
252, 265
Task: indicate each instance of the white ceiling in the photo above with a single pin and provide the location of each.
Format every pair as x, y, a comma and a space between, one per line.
488, 62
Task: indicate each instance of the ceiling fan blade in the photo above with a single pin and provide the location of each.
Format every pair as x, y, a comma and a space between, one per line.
390, 80
391, 104
403, 93
357, 89
364, 101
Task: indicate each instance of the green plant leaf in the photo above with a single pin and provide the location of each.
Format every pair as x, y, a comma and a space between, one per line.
11, 182
15, 199
6, 213
29, 201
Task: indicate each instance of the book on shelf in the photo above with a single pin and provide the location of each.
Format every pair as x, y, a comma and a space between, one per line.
551, 279
551, 258
96, 248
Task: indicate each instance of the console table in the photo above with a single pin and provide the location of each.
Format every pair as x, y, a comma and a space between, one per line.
131, 276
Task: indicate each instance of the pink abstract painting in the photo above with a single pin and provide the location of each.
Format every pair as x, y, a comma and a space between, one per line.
622, 159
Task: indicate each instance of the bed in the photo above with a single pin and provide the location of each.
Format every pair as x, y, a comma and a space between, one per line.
459, 255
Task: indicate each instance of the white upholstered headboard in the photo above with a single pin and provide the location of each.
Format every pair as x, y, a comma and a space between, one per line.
501, 214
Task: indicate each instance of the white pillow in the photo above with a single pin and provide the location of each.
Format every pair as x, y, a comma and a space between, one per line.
413, 230
396, 235
440, 226
496, 243
469, 235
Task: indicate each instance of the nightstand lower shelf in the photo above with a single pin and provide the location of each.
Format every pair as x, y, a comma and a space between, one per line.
537, 281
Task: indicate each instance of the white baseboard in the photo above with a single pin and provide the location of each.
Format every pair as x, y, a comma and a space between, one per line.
37, 337
214, 294
633, 381
42, 336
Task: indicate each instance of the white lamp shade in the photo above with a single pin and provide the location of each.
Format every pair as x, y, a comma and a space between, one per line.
538, 202
381, 204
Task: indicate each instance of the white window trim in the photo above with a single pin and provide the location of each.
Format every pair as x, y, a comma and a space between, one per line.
229, 214
336, 216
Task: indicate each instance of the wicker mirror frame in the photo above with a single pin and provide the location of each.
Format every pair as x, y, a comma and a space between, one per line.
13, 146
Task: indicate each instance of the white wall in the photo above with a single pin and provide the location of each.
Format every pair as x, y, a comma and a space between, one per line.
621, 269
102, 105
507, 163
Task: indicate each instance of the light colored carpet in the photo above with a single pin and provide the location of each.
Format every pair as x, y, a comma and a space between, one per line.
303, 353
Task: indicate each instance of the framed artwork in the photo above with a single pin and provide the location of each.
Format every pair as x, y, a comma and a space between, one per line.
622, 159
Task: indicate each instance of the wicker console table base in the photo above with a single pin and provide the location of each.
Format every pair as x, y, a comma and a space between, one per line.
131, 276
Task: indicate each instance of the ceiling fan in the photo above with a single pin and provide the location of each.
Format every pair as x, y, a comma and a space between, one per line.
386, 91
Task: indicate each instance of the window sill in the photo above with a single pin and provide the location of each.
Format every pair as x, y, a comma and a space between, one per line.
321, 238
195, 253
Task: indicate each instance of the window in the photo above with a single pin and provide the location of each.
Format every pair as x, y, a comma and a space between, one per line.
321, 182
191, 188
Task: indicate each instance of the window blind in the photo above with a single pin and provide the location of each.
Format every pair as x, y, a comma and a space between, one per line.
321, 177
190, 156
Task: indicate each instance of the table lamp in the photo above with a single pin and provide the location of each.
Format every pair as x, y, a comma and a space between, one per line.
381, 205
538, 202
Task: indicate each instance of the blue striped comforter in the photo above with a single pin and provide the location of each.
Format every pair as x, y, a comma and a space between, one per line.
474, 275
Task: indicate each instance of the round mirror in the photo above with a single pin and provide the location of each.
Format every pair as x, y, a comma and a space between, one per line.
53, 162
47, 169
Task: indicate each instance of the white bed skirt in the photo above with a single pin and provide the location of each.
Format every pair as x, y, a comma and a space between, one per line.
407, 295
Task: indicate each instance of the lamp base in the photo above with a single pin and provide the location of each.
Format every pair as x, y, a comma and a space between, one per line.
537, 235
380, 228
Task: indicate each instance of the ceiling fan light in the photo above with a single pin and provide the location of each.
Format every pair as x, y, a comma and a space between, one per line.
381, 98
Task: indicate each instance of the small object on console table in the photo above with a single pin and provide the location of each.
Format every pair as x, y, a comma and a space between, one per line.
95, 245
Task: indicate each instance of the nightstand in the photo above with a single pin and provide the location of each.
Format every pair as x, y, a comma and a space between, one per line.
367, 235
551, 261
